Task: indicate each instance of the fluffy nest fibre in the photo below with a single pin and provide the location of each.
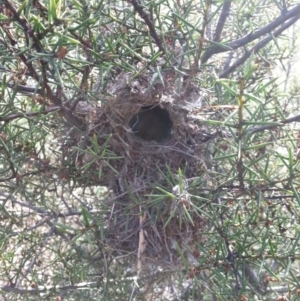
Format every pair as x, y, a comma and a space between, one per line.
151, 150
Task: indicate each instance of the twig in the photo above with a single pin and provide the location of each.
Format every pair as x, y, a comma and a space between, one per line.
269, 127
222, 20
34, 259
45, 289
29, 34
29, 114
24, 89
145, 16
257, 47
294, 12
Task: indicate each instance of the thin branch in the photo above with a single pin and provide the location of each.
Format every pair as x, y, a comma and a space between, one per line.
222, 20
146, 17
19, 177
82, 285
33, 260
26, 29
257, 47
21, 232
29, 114
24, 89
46, 289
294, 12
270, 127
64, 112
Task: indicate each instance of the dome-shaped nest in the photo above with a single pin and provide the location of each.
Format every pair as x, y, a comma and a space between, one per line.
151, 129
150, 149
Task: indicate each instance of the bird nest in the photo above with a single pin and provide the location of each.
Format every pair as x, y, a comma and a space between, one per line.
150, 148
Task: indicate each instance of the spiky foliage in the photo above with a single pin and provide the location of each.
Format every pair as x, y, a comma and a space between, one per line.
89, 210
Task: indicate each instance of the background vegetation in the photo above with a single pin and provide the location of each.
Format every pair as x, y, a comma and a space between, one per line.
56, 210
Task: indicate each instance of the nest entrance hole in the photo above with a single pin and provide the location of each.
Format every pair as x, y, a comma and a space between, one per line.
151, 123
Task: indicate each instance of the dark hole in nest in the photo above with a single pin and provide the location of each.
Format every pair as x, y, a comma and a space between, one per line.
152, 123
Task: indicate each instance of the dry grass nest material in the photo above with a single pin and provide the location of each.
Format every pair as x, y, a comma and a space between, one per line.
135, 166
